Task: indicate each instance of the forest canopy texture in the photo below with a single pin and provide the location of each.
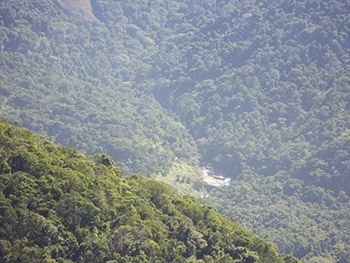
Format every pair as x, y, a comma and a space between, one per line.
59, 205
259, 90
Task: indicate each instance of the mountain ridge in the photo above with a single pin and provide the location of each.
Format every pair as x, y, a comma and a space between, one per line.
59, 205
256, 89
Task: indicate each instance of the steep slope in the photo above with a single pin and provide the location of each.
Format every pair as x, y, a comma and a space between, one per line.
257, 89
264, 90
81, 8
263, 87
71, 78
59, 205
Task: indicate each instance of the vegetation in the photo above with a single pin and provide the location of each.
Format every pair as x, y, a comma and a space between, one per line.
59, 205
257, 89
59, 77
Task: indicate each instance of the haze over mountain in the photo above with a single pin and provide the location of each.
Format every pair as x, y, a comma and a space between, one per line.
258, 90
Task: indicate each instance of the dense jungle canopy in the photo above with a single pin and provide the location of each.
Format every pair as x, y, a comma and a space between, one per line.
59, 205
259, 90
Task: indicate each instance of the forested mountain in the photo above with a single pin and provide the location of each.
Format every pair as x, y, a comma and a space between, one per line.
59, 205
259, 90
59, 76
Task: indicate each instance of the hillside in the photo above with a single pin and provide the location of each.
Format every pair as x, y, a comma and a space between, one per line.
59, 205
259, 91
81, 8
70, 78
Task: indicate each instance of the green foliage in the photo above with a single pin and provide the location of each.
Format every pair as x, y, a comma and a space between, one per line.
72, 81
257, 89
59, 205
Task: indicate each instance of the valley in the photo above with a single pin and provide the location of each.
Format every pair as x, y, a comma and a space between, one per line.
258, 90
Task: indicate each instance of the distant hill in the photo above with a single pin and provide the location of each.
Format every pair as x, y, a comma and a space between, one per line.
258, 90
59, 77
